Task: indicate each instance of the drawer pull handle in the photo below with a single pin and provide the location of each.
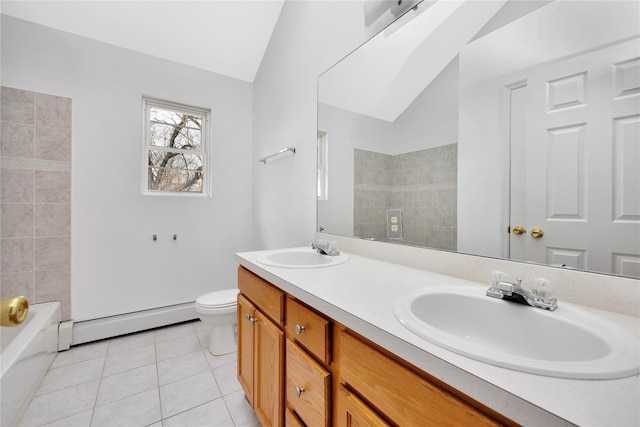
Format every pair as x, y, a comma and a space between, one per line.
299, 391
299, 329
250, 318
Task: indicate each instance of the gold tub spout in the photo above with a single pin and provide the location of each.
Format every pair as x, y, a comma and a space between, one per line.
13, 311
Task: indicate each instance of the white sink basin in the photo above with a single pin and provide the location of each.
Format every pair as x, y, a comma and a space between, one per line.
567, 343
300, 258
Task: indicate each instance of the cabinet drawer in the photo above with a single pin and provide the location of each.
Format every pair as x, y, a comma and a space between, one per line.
398, 392
263, 294
353, 412
309, 329
308, 387
291, 419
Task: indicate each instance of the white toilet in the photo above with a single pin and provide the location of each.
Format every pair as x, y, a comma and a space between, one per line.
218, 311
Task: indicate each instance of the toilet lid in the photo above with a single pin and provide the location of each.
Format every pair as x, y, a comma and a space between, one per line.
225, 298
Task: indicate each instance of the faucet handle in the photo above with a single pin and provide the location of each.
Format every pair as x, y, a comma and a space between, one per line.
542, 289
495, 277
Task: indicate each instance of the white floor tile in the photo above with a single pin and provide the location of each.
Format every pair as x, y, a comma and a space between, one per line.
210, 414
131, 341
129, 383
188, 393
55, 406
227, 379
219, 361
82, 419
177, 347
81, 353
139, 410
241, 412
140, 378
170, 333
125, 360
182, 367
199, 326
70, 375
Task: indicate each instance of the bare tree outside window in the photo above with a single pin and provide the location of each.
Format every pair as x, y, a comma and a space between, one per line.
175, 148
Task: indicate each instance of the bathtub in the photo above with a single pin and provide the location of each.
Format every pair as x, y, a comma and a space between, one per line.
27, 351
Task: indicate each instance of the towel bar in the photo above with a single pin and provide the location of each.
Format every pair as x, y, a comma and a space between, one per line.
283, 151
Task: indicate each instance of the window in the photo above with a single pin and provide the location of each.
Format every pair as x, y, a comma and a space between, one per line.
175, 149
323, 171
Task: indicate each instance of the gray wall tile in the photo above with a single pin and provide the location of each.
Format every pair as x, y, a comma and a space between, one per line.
53, 111
17, 255
35, 189
18, 284
17, 186
53, 187
16, 220
53, 143
17, 140
18, 106
421, 183
52, 253
52, 219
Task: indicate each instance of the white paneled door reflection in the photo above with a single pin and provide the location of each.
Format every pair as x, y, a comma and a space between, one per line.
575, 161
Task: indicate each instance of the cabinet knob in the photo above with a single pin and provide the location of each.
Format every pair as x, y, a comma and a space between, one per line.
299, 329
250, 318
299, 391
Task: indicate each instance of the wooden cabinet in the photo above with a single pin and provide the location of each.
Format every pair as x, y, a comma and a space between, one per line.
261, 347
401, 394
333, 376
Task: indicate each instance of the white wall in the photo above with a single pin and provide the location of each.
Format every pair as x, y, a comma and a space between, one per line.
310, 37
432, 118
116, 267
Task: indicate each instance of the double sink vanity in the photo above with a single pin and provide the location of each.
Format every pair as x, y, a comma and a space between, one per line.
346, 339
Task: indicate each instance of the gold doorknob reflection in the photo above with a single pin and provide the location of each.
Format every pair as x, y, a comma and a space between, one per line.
536, 233
519, 230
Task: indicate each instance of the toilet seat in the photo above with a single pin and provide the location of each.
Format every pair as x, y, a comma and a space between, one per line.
219, 299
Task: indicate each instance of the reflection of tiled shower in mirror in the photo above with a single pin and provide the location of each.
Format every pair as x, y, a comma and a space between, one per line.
422, 184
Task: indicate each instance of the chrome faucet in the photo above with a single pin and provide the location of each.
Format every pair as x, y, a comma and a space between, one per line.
539, 297
326, 248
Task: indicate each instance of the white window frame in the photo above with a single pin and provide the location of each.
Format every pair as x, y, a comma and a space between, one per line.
147, 104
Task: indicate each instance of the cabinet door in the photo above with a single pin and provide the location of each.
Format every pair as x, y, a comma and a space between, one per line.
353, 412
246, 313
269, 371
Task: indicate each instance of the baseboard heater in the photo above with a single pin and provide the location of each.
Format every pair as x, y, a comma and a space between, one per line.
113, 326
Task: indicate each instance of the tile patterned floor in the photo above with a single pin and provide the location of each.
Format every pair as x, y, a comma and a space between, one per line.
160, 378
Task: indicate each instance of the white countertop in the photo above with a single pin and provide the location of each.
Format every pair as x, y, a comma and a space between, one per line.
360, 294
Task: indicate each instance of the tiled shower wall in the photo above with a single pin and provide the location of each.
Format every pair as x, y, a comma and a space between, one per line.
421, 183
35, 194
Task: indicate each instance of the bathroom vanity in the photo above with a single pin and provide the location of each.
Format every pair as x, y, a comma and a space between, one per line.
321, 346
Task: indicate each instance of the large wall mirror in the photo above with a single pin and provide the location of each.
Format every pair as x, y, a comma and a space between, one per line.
507, 129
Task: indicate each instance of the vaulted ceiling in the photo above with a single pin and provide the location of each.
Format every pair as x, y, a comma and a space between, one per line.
225, 37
